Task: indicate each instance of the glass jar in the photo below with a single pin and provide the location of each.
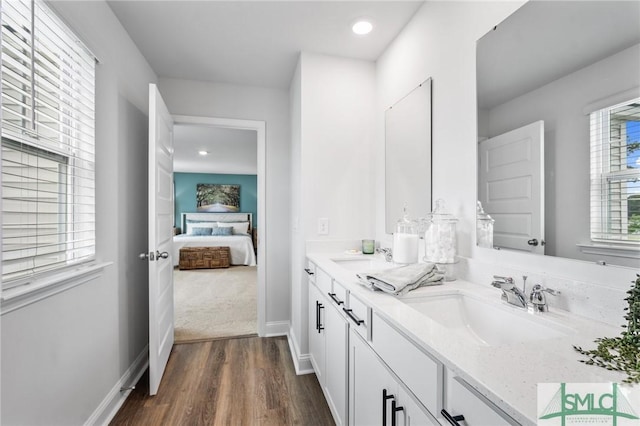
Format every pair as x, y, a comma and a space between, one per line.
440, 236
484, 227
405, 241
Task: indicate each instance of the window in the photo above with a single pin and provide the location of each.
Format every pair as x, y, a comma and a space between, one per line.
615, 174
48, 190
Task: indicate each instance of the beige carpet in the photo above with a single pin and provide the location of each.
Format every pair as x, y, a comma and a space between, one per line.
215, 303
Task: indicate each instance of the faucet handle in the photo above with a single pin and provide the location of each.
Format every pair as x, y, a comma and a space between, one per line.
538, 288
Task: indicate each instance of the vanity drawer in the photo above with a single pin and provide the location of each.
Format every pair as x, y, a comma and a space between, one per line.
359, 317
338, 295
463, 400
422, 374
323, 281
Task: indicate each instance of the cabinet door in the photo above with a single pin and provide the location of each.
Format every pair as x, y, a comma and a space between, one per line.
414, 415
369, 378
317, 308
336, 361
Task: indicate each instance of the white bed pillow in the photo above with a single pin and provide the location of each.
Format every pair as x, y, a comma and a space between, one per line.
191, 225
238, 227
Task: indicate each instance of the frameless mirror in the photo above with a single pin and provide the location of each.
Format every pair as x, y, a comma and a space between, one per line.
408, 156
541, 75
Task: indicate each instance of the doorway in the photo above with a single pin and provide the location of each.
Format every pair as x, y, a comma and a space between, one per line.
231, 288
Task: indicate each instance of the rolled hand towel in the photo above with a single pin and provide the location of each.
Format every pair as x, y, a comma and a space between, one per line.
402, 279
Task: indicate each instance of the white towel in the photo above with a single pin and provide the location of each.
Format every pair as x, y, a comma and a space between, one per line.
400, 280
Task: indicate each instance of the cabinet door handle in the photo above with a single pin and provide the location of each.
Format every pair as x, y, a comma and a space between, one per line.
353, 317
320, 327
394, 409
385, 397
453, 420
317, 316
335, 299
308, 271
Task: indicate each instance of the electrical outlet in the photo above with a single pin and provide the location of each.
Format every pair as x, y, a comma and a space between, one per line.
323, 226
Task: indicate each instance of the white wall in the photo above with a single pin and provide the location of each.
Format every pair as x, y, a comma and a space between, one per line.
440, 42
566, 142
332, 158
338, 98
64, 356
196, 98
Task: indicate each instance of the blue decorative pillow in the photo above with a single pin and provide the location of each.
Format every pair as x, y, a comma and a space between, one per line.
222, 231
202, 231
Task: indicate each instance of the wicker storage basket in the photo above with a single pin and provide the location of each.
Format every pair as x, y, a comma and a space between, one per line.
204, 257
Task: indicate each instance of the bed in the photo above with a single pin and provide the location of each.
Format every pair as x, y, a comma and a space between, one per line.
240, 242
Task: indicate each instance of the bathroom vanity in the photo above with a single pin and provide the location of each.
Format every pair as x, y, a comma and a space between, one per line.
436, 353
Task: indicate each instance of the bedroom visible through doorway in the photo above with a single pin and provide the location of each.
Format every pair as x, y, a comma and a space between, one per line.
216, 232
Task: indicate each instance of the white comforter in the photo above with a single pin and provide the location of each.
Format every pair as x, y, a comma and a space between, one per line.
240, 246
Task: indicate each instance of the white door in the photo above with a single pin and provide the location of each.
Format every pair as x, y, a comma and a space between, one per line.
511, 187
160, 237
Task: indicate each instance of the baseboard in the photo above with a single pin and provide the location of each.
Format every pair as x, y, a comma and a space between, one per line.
302, 363
110, 405
277, 328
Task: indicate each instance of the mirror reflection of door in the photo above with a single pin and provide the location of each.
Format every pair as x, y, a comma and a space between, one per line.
511, 187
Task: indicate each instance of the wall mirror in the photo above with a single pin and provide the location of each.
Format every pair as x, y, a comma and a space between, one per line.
408, 156
542, 76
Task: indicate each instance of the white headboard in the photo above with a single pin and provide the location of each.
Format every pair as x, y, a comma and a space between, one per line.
217, 217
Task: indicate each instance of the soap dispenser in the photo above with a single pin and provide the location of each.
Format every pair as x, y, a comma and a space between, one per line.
405, 240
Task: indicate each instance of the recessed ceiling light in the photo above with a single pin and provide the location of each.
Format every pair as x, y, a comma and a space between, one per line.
362, 27
203, 152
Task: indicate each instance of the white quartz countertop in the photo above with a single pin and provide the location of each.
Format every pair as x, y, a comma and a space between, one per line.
507, 374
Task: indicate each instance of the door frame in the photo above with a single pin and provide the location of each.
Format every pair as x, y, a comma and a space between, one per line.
260, 128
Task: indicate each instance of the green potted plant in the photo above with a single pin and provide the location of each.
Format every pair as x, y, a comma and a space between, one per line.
621, 353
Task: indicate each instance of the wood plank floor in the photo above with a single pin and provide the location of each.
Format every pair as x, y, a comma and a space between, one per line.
247, 381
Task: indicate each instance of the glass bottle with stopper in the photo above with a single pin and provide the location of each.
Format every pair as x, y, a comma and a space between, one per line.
440, 239
484, 227
405, 240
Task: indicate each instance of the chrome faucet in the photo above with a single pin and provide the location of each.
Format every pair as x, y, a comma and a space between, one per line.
538, 298
388, 254
510, 293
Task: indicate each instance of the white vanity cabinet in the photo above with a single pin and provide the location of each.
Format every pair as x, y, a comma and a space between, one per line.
328, 340
336, 356
376, 397
373, 373
317, 322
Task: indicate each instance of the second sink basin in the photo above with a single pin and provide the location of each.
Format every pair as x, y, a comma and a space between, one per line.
485, 323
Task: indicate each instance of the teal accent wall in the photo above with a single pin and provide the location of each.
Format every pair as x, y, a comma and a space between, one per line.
185, 192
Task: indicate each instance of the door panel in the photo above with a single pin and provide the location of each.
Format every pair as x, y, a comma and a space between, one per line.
160, 237
511, 186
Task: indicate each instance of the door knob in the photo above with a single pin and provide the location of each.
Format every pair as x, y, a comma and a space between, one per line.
533, 242
163, 255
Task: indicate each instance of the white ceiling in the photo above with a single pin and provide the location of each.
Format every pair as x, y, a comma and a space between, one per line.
253, 43
230, 151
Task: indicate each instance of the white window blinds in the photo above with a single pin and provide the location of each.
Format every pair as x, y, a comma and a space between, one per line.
615, 173
48, 189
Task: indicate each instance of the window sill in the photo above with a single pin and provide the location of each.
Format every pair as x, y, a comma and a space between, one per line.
628, 251
24, 295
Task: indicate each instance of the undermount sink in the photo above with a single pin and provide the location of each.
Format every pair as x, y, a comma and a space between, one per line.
360, 264
485, 323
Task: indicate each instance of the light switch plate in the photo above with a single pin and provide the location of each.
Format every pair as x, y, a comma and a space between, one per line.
323, 226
